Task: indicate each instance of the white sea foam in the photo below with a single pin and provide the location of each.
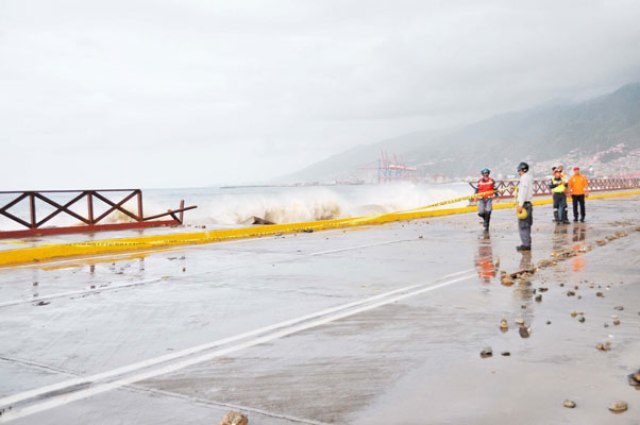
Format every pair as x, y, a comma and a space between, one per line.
237, 206
288, 205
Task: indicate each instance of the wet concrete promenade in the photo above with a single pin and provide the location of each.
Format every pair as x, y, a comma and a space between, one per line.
372, 325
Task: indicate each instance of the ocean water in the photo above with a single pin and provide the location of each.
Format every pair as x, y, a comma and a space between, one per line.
220, 207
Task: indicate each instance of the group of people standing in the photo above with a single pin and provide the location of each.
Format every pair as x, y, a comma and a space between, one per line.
576, 186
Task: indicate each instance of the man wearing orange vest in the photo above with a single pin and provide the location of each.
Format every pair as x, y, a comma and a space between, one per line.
487, 187
578, 188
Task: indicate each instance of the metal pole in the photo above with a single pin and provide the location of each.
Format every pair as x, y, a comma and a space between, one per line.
90, 207
140, 216
32, 209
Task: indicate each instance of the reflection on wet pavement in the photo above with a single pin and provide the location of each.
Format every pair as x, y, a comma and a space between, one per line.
405, 360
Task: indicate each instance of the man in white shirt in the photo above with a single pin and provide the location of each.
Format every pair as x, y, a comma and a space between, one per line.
525, 194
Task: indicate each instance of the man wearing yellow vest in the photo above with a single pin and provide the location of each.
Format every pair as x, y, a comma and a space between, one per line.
558, 189
578, 185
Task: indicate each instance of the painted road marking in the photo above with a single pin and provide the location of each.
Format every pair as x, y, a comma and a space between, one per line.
65, 392
78, 292
159, 279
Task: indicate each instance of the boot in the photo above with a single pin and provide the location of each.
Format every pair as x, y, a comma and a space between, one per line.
565, 216
487, 218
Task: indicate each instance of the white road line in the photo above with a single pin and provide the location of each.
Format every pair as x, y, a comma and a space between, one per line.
91, 387
351, 248
189, 351
78, 292
104, 289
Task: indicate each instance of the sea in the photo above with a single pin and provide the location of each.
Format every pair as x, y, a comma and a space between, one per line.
236, 206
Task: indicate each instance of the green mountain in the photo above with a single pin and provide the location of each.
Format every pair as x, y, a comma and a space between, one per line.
604, 128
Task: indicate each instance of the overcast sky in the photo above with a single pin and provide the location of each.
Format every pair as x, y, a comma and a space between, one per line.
132, 93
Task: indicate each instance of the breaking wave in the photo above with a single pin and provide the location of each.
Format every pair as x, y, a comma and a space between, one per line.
238, 206
288, 205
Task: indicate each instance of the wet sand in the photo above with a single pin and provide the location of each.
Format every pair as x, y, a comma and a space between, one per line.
376, 325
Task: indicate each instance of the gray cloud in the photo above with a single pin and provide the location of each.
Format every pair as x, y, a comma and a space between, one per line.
233, 92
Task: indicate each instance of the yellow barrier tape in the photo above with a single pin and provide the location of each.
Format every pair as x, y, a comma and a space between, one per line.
56, 251
456, 200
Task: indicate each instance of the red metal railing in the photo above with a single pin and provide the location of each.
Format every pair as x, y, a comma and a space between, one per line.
540, 187
90, 222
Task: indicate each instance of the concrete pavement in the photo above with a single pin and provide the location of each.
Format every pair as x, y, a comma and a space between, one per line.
372, 325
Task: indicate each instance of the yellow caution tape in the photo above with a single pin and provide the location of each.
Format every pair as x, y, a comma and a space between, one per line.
110, 246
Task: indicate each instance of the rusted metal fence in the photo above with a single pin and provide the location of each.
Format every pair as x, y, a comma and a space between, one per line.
33, 223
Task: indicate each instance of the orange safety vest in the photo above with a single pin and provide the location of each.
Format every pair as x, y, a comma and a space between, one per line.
578, 184
487, 185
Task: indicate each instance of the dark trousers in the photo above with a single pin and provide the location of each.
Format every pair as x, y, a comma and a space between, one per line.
560, 212
524, 226
578, 200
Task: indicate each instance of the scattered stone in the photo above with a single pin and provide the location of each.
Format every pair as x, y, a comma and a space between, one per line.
581, 319
634, 379
606, 325
35, 283
519, 321
504, 325
570, 404
524, 332
538, 298
546, 263
505, 353
562, 285
41, 303
570, 293
260, 220
618, 307
574, 313
619, 407
616, 322
599, 294
234, 418
523, 274
579, 297
486, 352
184, 269
506, 279
548, 322
307, 230
601, 242
603, 346
543, 289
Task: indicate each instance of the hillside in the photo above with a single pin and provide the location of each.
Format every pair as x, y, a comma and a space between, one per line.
591, 133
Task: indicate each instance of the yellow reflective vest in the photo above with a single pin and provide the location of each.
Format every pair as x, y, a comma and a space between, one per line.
560, 187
